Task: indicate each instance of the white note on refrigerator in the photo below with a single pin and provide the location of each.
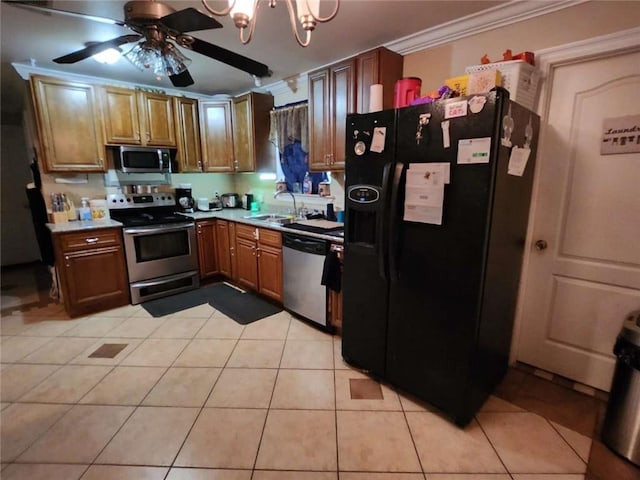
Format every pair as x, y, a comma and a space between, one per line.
428, 173
474, 150
424, 192
518, 161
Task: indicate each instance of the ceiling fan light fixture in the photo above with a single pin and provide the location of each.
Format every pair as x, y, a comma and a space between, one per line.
108, 56
244, 15
143, 56
173, 61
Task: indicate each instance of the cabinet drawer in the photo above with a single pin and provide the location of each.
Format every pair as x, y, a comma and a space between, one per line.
89, 239
269, 237
246, 231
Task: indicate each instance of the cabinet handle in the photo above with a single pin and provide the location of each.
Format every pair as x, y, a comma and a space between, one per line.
66, 263
258, 252
91, 240
148, 136
137, 135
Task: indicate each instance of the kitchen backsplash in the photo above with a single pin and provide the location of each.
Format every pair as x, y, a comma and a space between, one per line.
203, 185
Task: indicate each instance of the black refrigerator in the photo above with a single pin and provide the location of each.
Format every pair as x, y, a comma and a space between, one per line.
437, 200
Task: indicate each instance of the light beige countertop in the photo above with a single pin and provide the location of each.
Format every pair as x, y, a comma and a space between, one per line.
231, 214
244, 216
82, 225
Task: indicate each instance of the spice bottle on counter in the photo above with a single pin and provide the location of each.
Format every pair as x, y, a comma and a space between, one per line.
306, 184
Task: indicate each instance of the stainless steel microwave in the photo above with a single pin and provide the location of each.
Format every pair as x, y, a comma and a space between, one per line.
143, 159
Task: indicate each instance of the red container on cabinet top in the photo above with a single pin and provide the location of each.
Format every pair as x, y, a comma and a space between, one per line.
406, 90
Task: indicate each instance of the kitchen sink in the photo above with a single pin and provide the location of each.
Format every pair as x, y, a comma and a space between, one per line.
271, 218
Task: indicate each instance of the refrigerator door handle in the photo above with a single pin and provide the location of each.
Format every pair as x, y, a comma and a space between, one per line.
394, 221
382, 236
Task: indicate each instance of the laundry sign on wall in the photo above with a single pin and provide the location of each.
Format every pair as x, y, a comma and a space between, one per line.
620, 135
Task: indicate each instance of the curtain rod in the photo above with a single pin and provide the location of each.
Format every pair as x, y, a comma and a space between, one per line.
290, 105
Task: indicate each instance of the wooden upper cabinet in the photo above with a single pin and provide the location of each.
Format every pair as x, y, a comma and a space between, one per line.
377, 66
138, 118
121, 116
318, 119
216, 136
158, 120
69, 124
252, 149
332, 95
343, 101
189, 155
340, 89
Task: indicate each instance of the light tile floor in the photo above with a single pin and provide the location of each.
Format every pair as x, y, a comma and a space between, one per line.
195, 396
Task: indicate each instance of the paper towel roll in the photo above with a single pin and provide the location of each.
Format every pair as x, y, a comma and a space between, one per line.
375, 98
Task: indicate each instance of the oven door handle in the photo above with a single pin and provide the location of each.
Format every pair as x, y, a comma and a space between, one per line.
158, 228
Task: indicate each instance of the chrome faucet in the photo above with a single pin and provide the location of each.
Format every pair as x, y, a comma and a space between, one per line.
295, 210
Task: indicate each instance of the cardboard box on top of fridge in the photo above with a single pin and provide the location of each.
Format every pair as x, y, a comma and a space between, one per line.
483, 81
458, 84
519, 77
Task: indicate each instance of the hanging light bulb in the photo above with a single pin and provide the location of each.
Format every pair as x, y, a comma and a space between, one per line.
244, 14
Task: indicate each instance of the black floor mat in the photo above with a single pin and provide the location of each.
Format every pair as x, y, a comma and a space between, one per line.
175, 303
244, 308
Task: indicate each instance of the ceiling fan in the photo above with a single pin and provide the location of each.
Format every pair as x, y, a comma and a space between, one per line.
157, 25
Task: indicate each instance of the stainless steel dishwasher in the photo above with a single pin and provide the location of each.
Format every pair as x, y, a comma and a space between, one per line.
302, 265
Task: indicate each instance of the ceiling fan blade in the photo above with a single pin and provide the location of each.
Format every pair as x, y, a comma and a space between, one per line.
96, 48
189, 20
230, 58
41, 9
183, 79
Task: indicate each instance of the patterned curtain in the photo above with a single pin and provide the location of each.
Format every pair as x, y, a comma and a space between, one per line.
290, 133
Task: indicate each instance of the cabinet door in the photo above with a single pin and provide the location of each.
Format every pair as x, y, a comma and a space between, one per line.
189, 155
270, 269
223, 248
343, 101
377, 66
335, 306
121, 117
233, 248
246, 262
69, 123
243, 141
319, 111
216, 136
206, 231
158, 120
252, 149
84, 292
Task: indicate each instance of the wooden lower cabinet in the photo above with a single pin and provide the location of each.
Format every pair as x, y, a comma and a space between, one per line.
224, 250
207, 251
92, 270
335, 298
259, 260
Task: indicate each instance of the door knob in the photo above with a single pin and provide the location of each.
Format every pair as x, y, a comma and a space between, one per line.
541, 245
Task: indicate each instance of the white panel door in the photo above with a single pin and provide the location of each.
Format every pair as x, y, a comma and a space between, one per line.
583, 275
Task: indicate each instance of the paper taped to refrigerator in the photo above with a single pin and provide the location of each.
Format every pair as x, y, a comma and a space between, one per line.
518, 161
424, 192
377, 143
474, 150
428, 173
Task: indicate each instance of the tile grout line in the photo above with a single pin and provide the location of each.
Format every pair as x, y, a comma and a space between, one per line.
506, 469
184, 441
275, 382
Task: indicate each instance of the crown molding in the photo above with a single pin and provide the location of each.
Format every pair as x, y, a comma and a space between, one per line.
490, 19
26, 69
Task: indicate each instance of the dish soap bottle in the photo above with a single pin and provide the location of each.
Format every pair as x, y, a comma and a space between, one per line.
85, 211
306, 184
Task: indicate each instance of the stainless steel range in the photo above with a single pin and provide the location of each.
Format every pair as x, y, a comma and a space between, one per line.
160, 245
